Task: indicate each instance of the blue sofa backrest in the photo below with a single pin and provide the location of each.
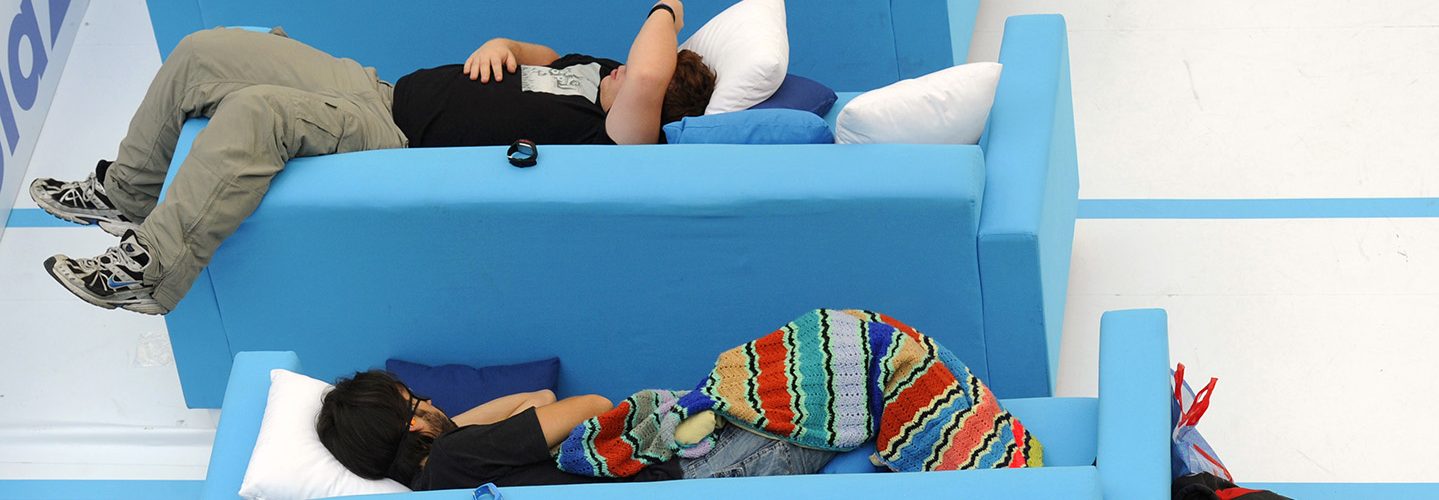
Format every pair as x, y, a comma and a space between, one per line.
851, 45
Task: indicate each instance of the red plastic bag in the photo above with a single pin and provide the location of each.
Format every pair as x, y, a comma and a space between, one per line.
1189, 452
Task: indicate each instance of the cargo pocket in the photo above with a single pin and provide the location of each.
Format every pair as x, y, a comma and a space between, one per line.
326, 126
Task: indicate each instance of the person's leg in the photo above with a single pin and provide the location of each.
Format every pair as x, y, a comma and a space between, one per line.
740, 453
202, 70
253, 132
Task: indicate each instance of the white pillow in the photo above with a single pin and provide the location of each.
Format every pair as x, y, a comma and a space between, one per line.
289, 461
747, 46
949, 106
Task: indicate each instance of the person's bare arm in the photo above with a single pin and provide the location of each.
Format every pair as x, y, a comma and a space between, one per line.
558, 419
504, 407
502, 55
634, 117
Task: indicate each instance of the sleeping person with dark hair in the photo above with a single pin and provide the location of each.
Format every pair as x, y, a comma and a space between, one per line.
377, 428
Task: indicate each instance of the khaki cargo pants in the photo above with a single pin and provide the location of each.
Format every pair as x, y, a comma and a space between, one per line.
269, 99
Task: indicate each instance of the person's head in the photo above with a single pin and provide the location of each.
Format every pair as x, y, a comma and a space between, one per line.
688, 93
377, 428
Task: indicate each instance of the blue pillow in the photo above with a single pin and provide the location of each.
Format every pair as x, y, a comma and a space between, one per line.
752, 126
455, 389
797, 92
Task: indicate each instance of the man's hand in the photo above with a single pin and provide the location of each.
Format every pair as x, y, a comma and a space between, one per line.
496, 57
679, 8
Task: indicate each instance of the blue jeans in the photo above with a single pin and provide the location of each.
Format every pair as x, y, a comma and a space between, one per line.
741, 453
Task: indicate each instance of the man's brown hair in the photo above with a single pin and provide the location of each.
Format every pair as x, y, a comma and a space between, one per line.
690, 88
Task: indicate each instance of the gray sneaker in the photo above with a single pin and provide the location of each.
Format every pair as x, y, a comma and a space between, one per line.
114, 279
82, 202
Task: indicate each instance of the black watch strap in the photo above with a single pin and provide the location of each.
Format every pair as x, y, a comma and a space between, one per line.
660, 6
523, 153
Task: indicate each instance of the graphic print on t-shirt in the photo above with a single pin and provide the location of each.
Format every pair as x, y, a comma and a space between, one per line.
581, 80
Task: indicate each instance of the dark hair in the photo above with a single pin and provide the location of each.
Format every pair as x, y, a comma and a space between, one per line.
364, 422
690, 88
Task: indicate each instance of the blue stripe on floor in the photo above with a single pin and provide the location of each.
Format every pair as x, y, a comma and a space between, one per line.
1306, 208
34, 217
1310, 208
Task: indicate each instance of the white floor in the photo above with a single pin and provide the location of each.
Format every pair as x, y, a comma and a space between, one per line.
1320, 330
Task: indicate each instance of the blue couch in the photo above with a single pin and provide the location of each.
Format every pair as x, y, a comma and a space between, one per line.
1115, 446
654, 252
1125, 429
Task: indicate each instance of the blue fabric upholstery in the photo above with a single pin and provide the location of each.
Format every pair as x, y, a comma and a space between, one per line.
455, 388
454, 256
1056, 482
850, 45
1133, 431
1126, 428
1027, 227
751, 126
1067, 427
245, 398
654, 238
100, 489
800, 93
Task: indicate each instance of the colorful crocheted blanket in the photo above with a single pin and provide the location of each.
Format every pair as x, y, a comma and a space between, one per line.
831, 380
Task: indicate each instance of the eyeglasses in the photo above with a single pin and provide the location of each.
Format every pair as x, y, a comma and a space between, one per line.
415, 400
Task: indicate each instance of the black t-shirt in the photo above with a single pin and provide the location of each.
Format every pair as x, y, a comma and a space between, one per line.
554, 104
511, 452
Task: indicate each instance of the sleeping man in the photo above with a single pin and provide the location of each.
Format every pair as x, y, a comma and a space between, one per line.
377, 428
271, 99
829, 381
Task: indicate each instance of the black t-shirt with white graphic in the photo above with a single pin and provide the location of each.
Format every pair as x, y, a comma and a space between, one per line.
511, 452
554, 104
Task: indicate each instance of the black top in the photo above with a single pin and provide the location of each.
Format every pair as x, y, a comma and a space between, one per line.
554, 104
511, 452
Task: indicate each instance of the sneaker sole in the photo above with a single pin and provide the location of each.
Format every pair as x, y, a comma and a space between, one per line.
82, 294
85, 220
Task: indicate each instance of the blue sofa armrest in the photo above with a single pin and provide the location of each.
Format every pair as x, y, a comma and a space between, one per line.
240, 418
1134, 433
1031, 195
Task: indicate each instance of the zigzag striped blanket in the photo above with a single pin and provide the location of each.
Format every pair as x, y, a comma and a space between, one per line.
831, 380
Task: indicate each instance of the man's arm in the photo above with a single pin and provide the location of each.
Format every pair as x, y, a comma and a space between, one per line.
502, 55
558, 419
634, 117
504, 407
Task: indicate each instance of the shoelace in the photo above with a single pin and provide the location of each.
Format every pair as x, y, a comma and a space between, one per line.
124, 255
83, 192
103, 269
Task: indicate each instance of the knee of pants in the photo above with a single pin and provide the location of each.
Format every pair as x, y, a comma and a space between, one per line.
199, 44
189, 46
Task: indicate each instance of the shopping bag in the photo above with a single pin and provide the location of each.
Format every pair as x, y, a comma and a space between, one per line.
1189, 452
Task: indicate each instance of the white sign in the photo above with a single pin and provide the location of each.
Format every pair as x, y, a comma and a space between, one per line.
38, 37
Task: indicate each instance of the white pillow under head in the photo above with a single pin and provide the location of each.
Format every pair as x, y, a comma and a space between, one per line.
949, 106
289, 461
747, 46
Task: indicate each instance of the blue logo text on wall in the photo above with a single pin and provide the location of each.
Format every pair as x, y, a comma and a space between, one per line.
37, 37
